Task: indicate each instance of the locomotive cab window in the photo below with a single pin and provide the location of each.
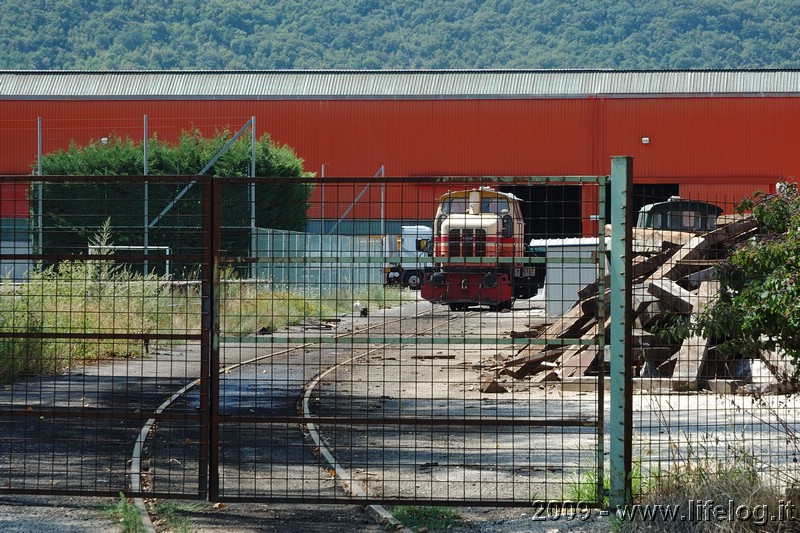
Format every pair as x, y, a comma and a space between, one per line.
494, 205
454, 205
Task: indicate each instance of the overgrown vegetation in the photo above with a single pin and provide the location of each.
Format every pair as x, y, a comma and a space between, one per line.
706, 495
458, 34
66, 299
759, 303
420, 518
72, 297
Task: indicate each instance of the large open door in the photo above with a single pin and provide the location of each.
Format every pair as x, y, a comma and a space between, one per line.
550, 211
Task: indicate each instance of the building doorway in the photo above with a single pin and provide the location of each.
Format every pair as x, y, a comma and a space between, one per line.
550, 211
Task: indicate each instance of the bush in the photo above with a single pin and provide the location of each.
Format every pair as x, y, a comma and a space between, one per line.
759, 304
72, 211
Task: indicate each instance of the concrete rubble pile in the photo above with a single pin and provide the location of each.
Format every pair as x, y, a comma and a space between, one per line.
673, 274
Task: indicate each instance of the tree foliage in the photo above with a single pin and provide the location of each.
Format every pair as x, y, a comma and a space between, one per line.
365, 34
759, 304
72, 212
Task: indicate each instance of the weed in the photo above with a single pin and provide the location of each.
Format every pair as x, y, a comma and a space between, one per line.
427, 518
584, 488
171, 515
127, 515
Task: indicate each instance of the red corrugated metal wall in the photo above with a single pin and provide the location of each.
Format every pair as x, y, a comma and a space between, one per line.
705, 137
692, 139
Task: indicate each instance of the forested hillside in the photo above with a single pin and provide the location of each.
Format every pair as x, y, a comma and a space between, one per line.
395, 34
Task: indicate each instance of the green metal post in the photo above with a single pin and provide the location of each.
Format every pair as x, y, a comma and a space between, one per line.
602, 300
621, 419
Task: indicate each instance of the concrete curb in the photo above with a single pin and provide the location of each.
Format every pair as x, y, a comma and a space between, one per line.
342, 474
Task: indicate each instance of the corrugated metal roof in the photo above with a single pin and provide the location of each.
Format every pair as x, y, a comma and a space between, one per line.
390, 84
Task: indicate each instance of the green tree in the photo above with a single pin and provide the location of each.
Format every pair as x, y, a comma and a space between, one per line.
72, 212
759, 304
459, 34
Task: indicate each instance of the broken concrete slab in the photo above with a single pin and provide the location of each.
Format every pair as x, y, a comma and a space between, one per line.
531, 363
653, 240
694, 350
673, 269
579, 363
650, 313
490, 385
779, 364
725, 386
671, 294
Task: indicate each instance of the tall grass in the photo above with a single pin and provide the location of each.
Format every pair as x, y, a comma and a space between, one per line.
127, 515
697, 488
74, 298
584, 487
90, 297
246, 308
724, 496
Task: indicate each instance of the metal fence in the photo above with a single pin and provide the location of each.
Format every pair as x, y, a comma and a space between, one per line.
307, 259
711, 423
262, 371
289, 373
91, 345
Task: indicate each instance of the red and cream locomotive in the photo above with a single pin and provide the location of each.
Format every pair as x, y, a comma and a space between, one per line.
478, 247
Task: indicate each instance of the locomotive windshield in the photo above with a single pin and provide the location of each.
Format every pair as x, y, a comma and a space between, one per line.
488, 205
454, 205
494, 205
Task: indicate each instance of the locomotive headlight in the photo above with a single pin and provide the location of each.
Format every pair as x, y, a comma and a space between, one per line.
490, 280
437, 279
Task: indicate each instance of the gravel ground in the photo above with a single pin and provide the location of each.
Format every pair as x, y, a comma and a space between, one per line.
28, 514
54, 514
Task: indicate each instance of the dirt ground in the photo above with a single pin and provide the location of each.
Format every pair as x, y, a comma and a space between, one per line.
28, 514
667, 426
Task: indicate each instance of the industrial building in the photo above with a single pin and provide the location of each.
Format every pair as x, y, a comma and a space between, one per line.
697, 134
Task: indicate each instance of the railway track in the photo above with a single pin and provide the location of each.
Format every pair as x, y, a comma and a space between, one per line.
349, 484
382, 408
265, 387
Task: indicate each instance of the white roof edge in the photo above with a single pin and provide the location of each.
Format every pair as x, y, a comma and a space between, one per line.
390, 84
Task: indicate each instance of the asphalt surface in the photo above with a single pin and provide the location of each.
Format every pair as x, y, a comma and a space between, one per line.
92, 514
667, 422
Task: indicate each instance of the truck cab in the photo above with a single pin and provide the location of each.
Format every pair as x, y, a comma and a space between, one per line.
412, 246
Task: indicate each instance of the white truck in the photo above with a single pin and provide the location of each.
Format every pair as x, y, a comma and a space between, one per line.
411, 247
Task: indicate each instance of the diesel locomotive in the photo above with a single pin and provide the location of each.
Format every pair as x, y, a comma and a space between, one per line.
479, 252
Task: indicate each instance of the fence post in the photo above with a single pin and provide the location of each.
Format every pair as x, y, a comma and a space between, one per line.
40, 187
621, 416
209, 345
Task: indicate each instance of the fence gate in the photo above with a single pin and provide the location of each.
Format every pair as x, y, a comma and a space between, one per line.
197, 358
378, 395
99, 331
